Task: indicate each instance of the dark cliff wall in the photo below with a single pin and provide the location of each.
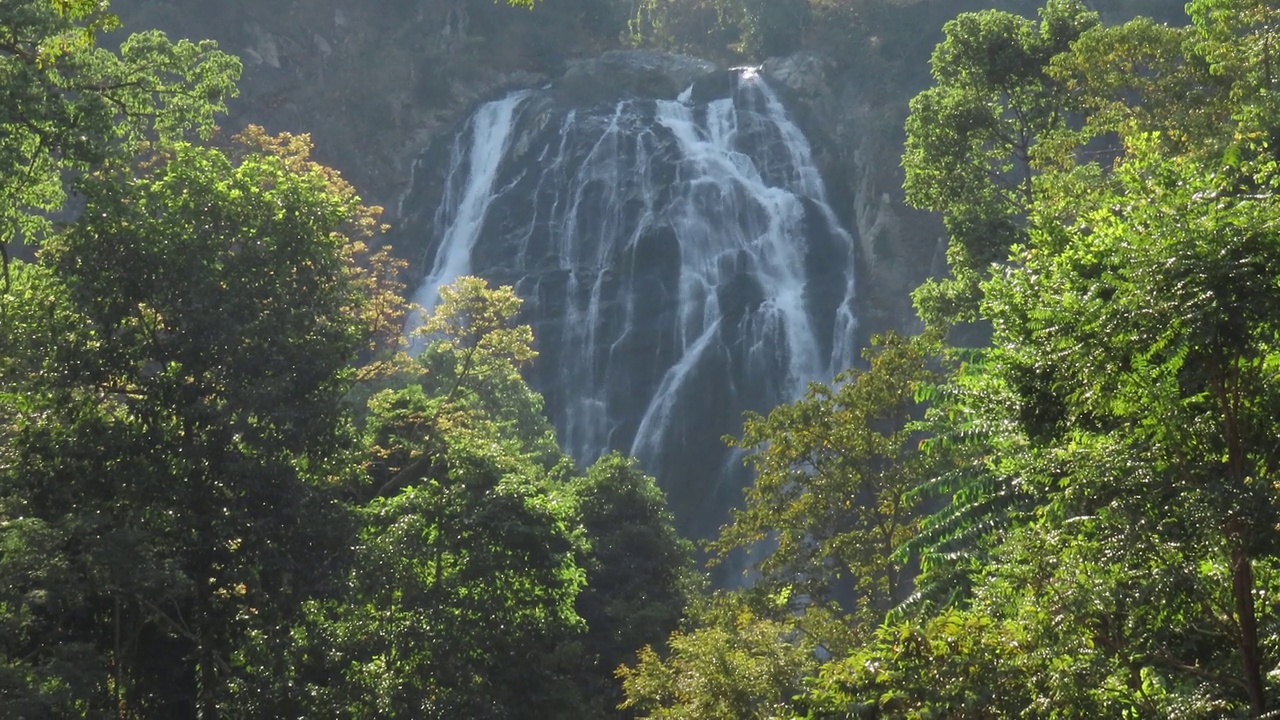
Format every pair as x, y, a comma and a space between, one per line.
678, 257
375, 82
670, 285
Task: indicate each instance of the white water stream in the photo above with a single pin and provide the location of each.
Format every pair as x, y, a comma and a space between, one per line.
665, 242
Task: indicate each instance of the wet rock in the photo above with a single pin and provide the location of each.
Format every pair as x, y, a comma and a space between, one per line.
804, 73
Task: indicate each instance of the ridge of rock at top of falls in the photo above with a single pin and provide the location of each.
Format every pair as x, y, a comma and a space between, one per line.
637, 73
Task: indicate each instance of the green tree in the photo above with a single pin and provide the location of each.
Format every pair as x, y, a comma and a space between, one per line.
1129, 394
686, 25
1123, 410
956, 665
191, 335
67, 107
470, 367
460, 596
830, 506
473, 359
834, 474
1171, 336
639, 572
1134, 78
1087, 617
459, 599
1238, 41
735, 666
971, 138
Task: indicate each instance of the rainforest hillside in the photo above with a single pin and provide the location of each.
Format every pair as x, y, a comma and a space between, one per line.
238, 479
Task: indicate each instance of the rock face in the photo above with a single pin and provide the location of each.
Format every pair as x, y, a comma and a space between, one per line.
378, 83
687, 249
686, 255
637, 73
678, 254
374, 82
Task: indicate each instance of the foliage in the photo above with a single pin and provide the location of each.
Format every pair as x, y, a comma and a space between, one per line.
735, 666
955, 665
850, 33
200, 517
830, 506
172, 451
465, 562
193, 520
969, 151
1171, 331
681, 26
639, 572
376, 272
461, 593
752, 29
834, 472
67, 107
472, 363
1117, 433
1075, 619
973, 486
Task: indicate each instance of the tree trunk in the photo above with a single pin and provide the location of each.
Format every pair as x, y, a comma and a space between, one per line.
1251, 656
1227, 390
207, 708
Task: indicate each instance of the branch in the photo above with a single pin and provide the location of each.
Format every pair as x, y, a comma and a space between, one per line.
180, 628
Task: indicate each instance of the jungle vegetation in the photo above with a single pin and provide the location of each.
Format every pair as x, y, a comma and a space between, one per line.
226, 491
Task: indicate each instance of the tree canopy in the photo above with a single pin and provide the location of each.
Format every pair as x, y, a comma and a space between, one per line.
227, 491
1096, 486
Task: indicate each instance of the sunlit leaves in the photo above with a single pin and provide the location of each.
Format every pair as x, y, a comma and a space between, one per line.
68, 107
833, 476
970, 151
639, 572
1113, 448
181, 352
1138, 332
737, 666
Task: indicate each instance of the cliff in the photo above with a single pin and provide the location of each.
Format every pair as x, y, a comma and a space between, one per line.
376, 82
692, 242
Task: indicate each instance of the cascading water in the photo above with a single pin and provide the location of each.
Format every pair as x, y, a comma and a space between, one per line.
679, 261
469, 193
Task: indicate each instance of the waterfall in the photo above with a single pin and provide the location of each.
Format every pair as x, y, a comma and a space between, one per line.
679, 261
472, 172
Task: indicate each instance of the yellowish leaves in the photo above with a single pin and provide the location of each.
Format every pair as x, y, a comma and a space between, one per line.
375, 271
